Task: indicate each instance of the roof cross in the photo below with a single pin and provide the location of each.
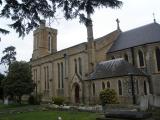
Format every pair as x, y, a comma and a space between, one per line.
117, 20
154, 19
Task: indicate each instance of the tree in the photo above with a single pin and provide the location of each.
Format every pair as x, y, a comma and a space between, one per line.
19, 81
9, 56
108, 96
26, 14
83, 8
2, 77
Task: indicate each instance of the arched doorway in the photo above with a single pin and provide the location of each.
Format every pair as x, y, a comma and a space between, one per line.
76, 96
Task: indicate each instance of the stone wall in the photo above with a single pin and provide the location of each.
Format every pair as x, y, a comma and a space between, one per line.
150, 66
149, 101
126, 97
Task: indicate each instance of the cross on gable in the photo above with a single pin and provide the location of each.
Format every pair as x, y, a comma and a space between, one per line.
117, 20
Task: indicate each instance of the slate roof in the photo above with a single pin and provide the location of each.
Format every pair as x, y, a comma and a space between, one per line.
149, 33
115, 68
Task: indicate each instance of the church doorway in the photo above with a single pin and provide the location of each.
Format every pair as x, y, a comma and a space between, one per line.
77, 96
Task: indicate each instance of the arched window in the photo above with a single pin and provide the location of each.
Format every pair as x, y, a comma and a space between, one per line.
126, 57
45, 81
94, 89
62, 75
103, 85
80, 65
75, 65
112, 57
120, 87
108, 84
141, 58
47, 72
137, 86
145, 88
158, 58
59, 83
49, 42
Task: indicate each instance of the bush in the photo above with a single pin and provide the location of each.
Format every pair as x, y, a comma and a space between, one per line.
108, 96
58, 100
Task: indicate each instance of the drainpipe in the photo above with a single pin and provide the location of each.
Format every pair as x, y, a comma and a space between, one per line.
132, 88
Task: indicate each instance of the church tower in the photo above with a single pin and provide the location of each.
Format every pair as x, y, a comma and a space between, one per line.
45, 41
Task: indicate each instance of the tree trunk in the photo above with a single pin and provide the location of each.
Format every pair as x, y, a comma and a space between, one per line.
19, 99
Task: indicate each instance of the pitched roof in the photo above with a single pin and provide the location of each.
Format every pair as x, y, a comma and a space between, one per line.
149, 33
115, 68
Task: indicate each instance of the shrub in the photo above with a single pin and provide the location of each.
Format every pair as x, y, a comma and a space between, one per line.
108, 96
58, 100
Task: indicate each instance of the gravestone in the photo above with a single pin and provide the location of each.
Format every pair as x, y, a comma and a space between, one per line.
126, 115
6, 101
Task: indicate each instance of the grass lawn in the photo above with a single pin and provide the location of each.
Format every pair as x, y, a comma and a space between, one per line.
50, 115
2, 106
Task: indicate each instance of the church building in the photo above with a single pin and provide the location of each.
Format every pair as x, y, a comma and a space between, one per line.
128, 62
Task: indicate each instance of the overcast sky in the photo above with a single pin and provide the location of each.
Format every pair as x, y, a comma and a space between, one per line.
134, 13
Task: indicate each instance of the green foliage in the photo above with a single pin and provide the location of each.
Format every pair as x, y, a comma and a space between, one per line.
26, 14
9, 55
108, 96
19, 80
3, 31
2, 77
58, 100
81, 8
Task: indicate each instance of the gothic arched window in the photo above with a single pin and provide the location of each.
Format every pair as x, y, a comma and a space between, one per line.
103, 85
126, 57
141, 58
49, 42
94, 89
75, 65
108, 84
145, 88
59, 75
120, 87
112, 57
80, 65
158, 58
137, 86
62, 75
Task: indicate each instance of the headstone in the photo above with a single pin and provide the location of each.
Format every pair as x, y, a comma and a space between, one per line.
144, 103
126, 115
6, 101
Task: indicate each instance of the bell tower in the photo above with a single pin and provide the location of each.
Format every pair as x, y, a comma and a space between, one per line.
45, 41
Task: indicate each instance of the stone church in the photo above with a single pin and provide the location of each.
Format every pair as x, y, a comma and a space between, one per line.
128, 62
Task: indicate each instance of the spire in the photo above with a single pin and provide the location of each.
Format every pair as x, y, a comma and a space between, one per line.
89, 28
154, 19
117, 20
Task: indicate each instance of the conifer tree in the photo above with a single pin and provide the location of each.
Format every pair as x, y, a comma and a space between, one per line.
26, 14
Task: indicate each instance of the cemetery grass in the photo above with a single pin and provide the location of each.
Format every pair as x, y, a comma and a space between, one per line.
50, 115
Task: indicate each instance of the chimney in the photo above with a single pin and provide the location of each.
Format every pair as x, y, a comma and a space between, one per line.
89, 29
42, 23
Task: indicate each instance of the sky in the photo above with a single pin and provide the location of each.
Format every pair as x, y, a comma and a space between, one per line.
132, 14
